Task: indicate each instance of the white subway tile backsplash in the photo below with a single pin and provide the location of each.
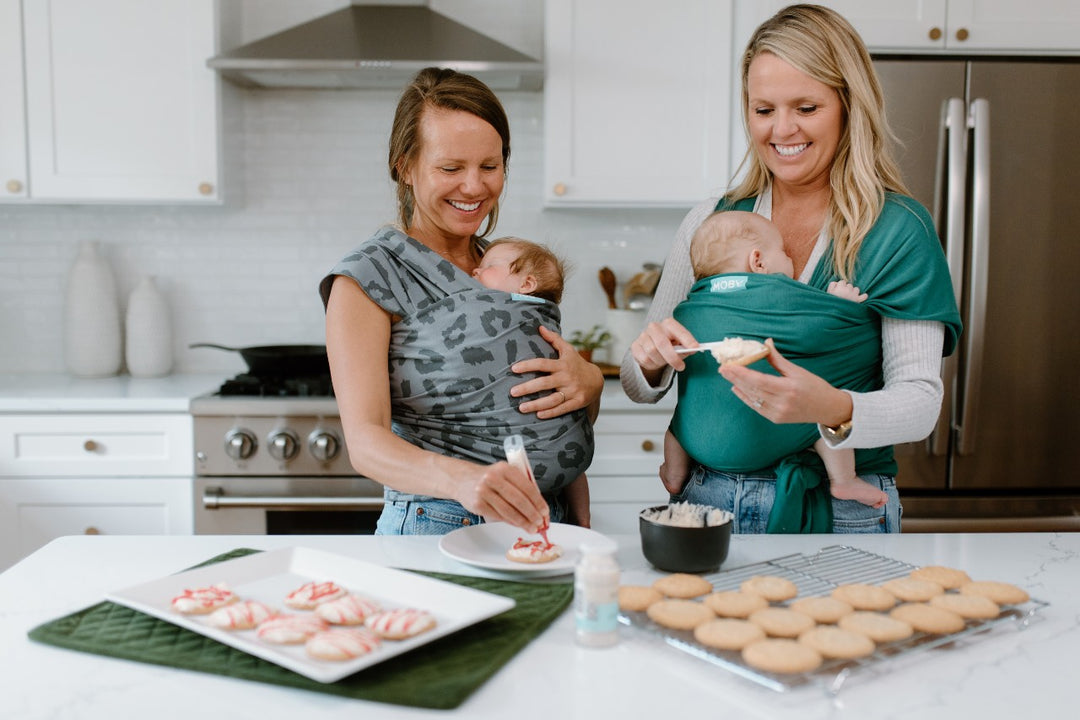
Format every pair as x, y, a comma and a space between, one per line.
305, 181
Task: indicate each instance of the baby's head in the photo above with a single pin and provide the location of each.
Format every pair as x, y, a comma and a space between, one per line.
735, 241
514, 265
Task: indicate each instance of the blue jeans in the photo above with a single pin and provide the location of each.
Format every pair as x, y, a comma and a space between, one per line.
411, 515
750, 498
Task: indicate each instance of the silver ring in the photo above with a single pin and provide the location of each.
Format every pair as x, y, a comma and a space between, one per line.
759, 403
563, 396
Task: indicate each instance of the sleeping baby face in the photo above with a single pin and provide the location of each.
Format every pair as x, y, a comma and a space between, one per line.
494, 270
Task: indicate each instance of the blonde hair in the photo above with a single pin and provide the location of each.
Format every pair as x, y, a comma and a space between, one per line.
540, 262
722, 242
819, 42
447, 90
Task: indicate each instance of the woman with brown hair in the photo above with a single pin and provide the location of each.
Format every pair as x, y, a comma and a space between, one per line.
409, 334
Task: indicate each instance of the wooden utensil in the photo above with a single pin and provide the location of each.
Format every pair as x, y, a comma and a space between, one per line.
607, 281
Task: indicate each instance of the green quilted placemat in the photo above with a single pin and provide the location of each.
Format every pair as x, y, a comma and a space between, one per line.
438, 675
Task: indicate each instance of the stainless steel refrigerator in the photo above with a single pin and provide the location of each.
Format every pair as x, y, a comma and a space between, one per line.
992, 148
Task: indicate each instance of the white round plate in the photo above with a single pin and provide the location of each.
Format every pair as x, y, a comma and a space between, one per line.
485, 546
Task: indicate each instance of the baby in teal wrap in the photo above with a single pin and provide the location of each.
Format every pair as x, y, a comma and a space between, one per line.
745, 242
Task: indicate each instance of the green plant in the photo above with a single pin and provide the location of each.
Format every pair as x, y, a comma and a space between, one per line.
596, 337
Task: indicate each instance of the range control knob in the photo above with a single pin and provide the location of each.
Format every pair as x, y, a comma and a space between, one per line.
324, 445
240, 444
283, 445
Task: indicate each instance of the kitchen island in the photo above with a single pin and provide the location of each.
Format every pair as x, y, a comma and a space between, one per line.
1009, 672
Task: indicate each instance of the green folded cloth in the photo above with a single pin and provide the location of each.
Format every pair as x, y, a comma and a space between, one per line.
438, 675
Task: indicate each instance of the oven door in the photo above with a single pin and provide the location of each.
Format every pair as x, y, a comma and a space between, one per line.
286, 505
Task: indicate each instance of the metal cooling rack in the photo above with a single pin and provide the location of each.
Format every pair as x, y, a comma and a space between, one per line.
818, 574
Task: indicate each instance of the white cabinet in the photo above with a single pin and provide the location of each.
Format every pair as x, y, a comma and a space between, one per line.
1034, 27
65, 474
623, 478
108, 101
636, 102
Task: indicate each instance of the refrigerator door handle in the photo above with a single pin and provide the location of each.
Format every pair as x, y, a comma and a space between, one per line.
979, 120
950, 195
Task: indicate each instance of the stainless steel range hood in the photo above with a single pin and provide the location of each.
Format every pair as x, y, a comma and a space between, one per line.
375, 46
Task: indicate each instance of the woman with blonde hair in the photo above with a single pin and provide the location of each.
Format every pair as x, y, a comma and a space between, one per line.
819, 165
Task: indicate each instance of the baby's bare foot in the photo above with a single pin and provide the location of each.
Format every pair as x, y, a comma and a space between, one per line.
860, 491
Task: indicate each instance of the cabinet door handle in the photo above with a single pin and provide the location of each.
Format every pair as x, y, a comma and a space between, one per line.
90, 446
962, 34
935, 33
91, 531
648, 445
559, 189
14, 186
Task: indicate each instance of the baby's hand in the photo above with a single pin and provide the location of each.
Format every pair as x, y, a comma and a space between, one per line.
846, 290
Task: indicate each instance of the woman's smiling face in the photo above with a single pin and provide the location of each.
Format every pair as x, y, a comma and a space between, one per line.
457, 175
795, 121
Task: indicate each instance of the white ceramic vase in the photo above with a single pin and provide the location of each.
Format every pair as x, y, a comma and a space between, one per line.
93, 346
149, 351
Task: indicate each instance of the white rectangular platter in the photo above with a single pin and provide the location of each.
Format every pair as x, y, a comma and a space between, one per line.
270, 576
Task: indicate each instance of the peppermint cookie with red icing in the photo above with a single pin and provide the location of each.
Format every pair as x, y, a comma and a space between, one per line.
242, 615
310, 595
290, 629
199, 601
533, 551
400, 623
342, 643
348, 610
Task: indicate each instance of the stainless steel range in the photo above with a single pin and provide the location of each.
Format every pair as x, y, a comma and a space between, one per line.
270, 458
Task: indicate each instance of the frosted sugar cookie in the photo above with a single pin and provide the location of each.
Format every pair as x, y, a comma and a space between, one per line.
242, 615
199, 601
348, 610
400, 623
289, 629
342, 643
310, 595
533, 551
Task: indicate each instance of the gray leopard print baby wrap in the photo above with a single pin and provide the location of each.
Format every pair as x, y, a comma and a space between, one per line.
450, 358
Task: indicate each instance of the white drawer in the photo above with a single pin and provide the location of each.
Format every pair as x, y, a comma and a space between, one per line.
110, 445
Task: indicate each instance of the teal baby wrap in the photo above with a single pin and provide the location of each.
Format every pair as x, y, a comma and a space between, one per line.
902, 269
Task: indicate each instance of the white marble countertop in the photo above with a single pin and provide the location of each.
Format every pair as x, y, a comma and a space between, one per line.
1008, 673
59, 393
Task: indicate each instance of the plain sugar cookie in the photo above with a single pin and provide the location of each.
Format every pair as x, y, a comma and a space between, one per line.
928, 619
781, 622
948, 578
968, 606
834, 642
879, 628
864, 597
781, 656
827, 610
734, 603
770, 587
728, 633
679, 614
637, 598
1000, 592
683, 586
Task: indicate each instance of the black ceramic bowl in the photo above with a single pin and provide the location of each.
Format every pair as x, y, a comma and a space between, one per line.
683, 549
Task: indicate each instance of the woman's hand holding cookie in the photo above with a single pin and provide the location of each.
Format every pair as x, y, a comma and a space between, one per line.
794, 396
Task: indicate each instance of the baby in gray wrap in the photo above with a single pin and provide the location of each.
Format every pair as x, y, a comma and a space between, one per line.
530, 270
